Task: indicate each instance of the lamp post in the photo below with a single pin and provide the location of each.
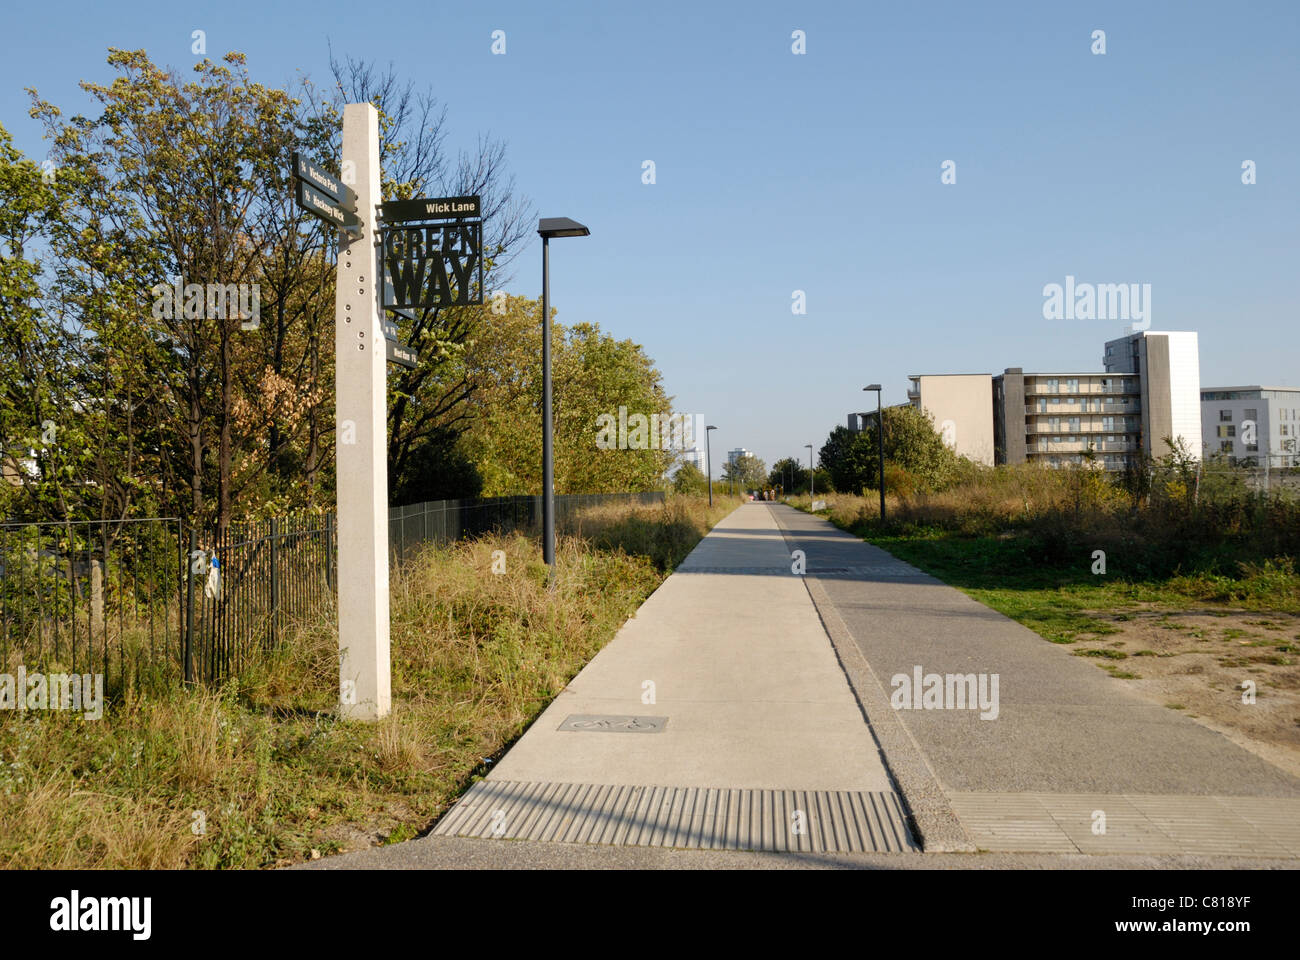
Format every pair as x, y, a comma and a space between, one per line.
548, 227
811, 480
708, 459
880, 443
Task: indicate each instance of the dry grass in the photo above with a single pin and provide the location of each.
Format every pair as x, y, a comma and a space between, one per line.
263, 770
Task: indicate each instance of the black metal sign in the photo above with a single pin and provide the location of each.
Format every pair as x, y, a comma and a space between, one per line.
431, 208
313, 201
433, 265
328, 184
325, 196
400, 353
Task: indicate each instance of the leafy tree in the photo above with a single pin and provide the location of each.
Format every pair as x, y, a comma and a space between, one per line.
748, 472
849, 459
690, 479
788, 474
190, 179
911, 442
34, 384
593, 375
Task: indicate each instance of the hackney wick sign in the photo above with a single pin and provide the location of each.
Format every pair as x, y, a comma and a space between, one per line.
325, 196
436, 262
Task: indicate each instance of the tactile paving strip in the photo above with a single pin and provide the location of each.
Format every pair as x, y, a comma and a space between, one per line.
1069, 823
705, 818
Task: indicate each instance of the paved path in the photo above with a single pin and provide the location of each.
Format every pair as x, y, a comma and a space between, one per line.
753, 739
1068, 740
771, 729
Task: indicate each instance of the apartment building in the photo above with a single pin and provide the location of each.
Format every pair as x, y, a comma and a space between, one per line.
1168, 370
961, 405
1150, 389
1066, 418
1252, 426
697, 457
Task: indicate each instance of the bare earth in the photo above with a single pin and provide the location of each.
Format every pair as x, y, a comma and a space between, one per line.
1196, 661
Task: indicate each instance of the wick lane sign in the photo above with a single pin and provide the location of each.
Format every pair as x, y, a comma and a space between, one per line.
431, 208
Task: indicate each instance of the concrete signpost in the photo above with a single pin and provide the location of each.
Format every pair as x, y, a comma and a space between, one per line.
432, 265
360, 369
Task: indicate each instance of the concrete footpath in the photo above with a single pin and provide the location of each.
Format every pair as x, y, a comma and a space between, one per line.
747, 707
717, 718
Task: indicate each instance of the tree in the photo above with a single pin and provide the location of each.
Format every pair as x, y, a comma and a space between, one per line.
193, 412
748, 472
179, 184
848, 457
596, 381
33, 380
690, 479
912, 443
788, 474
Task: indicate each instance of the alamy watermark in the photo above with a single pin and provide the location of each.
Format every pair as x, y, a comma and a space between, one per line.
654, 431
214, 301
75, 913
1100, 301
949, 691
78, 692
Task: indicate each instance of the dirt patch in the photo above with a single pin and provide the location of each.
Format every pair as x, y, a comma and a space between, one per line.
1196, 662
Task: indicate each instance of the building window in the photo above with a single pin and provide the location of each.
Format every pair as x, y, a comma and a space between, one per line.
1074, 423
1053, 384
1072, 384
1250, 414
1056, 400
1225, 416
1225, 446
1108, 423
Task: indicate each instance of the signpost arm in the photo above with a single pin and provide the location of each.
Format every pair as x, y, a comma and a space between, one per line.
361, 440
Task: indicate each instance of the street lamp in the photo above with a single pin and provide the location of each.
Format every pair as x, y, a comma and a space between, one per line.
708, 460
880, 444
548, 227
811, 480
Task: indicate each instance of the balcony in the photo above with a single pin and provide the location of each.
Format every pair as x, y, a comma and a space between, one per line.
1083, 389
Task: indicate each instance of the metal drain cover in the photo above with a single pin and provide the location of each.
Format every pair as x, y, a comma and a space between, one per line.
599, 723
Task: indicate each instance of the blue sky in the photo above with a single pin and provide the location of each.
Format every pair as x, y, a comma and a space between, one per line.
777, 172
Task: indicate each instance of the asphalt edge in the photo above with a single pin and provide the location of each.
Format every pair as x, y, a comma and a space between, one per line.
934, 824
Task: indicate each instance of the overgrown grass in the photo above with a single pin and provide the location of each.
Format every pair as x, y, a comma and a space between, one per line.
262, 773
1024, 541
